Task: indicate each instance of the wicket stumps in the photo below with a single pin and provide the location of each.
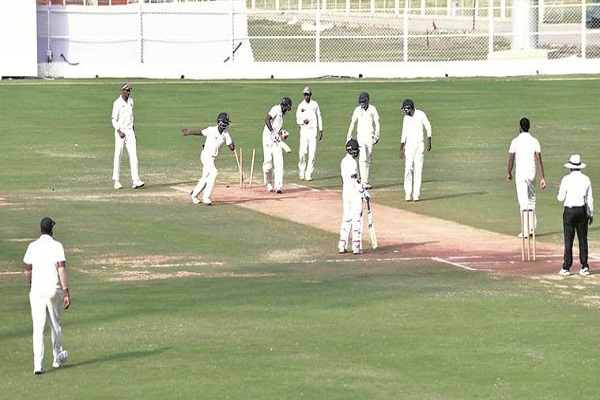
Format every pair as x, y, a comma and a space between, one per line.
528, 233
240, 164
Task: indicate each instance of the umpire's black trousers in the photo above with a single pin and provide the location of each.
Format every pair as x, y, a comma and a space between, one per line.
575, 219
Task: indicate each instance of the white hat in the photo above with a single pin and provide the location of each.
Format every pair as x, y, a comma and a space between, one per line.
126, 86
575, 162
307, 90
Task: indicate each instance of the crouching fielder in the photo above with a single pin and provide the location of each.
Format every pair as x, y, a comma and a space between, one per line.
216, 136
352, 196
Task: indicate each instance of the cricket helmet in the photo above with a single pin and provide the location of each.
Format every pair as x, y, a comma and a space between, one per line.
223, 120
364, 97
408, 103
352, 147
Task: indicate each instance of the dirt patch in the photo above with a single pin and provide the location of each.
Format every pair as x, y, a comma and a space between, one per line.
401, 234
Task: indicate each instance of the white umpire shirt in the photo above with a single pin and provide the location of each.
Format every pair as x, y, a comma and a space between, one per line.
412, 128
365, 119
215, 140
312, 113
122, 114
349, 171
43, 254
576, 191
524, 147
276, 121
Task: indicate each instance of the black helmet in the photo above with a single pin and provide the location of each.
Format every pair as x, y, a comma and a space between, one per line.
286, 101
408, 103
223, 120
364, 97
352, 147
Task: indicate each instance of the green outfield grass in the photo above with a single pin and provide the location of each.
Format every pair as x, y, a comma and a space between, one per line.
262, 309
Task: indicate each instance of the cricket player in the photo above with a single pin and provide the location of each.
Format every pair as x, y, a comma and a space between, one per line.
272, 150
308, 117
366, 119
353, 194
526, 151
122, 121
46, 272
216, 136
412, 148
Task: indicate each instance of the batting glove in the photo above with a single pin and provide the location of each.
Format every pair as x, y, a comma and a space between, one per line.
275, 137
375, 137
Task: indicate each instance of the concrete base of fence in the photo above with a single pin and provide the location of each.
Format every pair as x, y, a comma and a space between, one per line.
530, 54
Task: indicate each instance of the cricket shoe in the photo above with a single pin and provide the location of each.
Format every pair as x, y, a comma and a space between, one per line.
60, 359
38, 371
207, 201
269, 187
367, 186
564, 272
520, 235
308, 178
279, 190
194, 198
341, 247
584, 271
137, 184
118, 185
301, 176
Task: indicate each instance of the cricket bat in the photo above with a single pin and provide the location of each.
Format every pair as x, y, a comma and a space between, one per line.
285, 147
371, 223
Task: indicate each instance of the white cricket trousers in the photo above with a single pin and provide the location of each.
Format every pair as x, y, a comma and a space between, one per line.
129, 141
209, 176
413, 170
306, 152
40, 303
273, 163
526, 196
352, 218
365, 157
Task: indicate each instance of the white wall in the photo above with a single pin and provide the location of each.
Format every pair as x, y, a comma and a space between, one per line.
18, 38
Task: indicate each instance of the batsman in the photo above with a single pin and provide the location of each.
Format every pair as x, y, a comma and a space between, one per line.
352, 195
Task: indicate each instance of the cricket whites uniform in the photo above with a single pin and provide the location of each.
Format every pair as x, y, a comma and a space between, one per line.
367, 133
308, 136
414, 151
122, 118
45, 294
212, 145
352, 203
272, 151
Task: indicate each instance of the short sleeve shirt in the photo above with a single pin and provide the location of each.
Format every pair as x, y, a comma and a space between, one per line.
122, 113
43, 254
215, 140
366, 120
276, 121
524, 147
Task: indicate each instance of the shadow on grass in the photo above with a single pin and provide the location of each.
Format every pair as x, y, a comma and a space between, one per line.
450, 196
128, 355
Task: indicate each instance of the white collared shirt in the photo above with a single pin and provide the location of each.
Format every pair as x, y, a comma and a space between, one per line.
412, 128
43, 254
367, 122
349, 170
215, 140
576, 191
311, 112
276, 121
524, 147
122, 114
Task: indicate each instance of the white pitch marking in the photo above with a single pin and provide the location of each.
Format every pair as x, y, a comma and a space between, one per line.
453, 264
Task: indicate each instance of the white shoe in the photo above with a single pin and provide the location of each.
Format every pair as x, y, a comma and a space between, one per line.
301, 176
38, 371
269, 187
564, 272
341, 247
367, 186
137, 184
584, 271
308, 178
207, 201
118, 185
60, 359
279, 190
194, 198
520, 235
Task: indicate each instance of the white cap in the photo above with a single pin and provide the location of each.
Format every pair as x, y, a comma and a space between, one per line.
307, 91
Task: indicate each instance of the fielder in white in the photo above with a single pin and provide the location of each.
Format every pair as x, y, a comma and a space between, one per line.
216, 136
272, 150
526, 151
122, 121
366, 119
352, 196
49, 293
308, 117
412, 148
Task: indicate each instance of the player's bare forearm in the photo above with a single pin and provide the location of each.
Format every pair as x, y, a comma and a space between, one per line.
189, 132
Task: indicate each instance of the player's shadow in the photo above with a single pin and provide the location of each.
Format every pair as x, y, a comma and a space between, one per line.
129, 355
455, 195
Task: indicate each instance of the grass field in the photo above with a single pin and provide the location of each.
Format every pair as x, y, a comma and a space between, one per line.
243, 318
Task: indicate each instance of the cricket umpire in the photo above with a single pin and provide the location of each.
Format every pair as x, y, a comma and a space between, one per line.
575, 192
